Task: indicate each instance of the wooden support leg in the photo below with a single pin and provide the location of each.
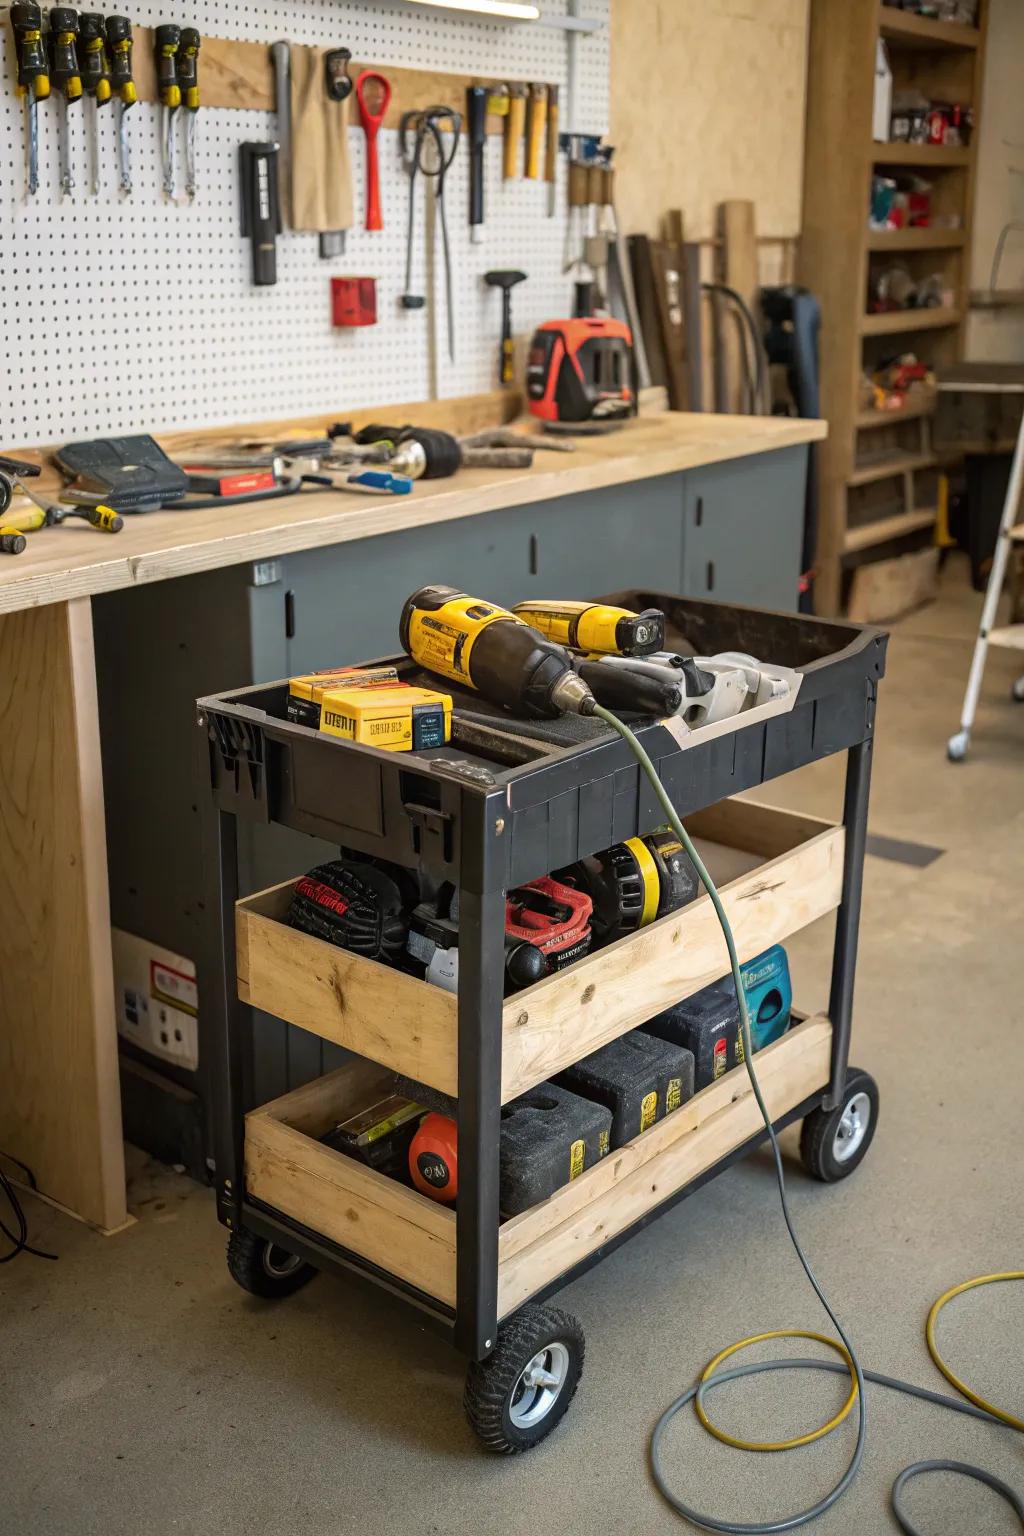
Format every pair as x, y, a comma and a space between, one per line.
60, 1107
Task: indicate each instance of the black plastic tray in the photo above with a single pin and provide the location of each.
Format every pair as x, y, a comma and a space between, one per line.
564, 802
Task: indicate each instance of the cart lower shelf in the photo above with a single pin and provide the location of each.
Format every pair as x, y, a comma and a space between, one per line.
414, 1239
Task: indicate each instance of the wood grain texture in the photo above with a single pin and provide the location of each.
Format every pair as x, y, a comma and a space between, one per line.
540, 1245
61, 563
885, 589
402, 1231
615, 989
737, 227
60, 1106
368, 1008
238, 74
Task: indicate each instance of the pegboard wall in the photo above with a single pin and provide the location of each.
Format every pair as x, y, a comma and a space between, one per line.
134, 314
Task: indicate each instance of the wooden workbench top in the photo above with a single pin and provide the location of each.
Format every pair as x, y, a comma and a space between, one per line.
77, 561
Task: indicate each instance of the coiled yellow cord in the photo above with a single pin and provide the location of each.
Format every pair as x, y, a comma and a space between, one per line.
933, 1348
777, 1445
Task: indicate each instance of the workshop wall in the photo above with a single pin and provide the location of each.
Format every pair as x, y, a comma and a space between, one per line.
997, 335
136, 314
708, 104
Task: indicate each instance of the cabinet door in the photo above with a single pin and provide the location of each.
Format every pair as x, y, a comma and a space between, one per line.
605, 540
743, 529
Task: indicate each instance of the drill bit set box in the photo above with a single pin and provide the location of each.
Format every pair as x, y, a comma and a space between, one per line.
501, 806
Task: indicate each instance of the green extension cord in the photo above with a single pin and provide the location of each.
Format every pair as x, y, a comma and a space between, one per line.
713, 1377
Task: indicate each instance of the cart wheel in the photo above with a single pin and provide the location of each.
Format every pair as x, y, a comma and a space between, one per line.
262, 1268
833, 1142
1017, 691
517, 1395
956, 747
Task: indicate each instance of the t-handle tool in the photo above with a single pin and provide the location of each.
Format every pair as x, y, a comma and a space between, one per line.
119, 46
33, 80
187, 59
476, 128
65, 76
506, 280
373, 93
166, 42
95, 83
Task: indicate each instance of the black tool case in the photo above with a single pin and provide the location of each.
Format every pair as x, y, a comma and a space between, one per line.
507, 802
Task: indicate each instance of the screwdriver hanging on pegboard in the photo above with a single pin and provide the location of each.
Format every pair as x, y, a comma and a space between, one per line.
96, 84
33, 80
188, 82
167, 40
65, 76
119, 43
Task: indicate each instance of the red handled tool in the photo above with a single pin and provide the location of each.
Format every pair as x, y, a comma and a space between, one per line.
373, 93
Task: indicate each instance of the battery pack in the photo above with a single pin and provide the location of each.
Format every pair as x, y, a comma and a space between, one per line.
639, 1077
305, 693
548, 1137
708, 1024
398, 718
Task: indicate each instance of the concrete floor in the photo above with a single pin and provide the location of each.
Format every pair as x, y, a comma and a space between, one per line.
142, 1392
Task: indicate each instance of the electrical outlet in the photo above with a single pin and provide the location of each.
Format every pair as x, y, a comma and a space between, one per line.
157, 999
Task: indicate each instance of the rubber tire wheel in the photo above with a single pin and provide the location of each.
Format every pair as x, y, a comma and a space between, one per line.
490, 1383
245, 1263
818, 1132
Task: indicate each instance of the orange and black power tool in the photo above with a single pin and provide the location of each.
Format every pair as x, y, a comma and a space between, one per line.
581, 370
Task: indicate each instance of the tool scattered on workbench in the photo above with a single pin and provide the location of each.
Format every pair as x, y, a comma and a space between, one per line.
166, 42
95, 72
187, 59
261, 208
373, 95
506, 280
65, 76
14, 473
33, 81
119, 47
427, 143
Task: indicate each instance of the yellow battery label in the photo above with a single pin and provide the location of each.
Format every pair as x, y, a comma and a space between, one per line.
442, 639
739, 1046
603, 1143
673, 1094
648, 1110
577, 1158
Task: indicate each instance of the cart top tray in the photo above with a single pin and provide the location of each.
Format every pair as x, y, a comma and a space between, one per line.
559, 799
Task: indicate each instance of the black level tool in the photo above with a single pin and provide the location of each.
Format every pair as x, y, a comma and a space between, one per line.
65, 76
119, 46
261, 208
33, 79
476, 128
506, 281
96, 84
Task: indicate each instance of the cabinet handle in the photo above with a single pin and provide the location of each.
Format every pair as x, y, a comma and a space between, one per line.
711, 575
699, 514
533, 554
289, 615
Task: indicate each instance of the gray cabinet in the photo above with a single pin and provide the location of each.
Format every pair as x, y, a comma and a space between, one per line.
742, 529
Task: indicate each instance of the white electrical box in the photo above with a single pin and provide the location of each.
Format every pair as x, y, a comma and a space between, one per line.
157, 999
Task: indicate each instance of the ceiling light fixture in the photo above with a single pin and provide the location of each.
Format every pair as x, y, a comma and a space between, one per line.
507, 10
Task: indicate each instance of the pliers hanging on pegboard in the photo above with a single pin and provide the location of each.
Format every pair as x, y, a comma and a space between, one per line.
427, 141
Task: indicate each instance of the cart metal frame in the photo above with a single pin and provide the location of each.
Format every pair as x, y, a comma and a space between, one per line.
488, 837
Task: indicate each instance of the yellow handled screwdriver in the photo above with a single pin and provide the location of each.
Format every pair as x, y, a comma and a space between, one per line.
188, 82
119, 44
33, 80
95, 83
167, 41
65, 76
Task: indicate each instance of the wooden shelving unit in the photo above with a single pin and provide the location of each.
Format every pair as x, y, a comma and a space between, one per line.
878, 471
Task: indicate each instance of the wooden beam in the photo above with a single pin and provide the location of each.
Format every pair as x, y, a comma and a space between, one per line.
60, 1105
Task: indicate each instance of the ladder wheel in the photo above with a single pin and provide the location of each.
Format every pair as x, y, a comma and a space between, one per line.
1017, 691
956, 747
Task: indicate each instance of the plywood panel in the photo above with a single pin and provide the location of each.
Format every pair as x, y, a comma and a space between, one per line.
707, 103
60, 1107
998, 336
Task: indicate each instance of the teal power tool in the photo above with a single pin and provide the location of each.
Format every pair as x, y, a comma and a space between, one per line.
769, 995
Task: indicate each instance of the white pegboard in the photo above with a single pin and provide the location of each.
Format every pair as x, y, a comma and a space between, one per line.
122, 315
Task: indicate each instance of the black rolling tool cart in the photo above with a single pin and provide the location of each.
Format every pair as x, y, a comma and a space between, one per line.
489, 817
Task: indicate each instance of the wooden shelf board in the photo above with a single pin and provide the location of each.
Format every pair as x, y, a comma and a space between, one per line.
891, 464
870, 534
916, 239
935, 155
915, 407
924, 31
898, 320
997, 298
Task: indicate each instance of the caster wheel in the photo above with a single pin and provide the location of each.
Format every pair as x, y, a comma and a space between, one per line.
833, 1142
517, 1395
956, 747
264, 1269
1017, 691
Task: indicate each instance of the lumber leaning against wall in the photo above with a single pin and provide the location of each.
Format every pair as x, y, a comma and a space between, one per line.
998, 335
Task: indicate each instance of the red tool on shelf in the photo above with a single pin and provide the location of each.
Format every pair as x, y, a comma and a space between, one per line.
373, 93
